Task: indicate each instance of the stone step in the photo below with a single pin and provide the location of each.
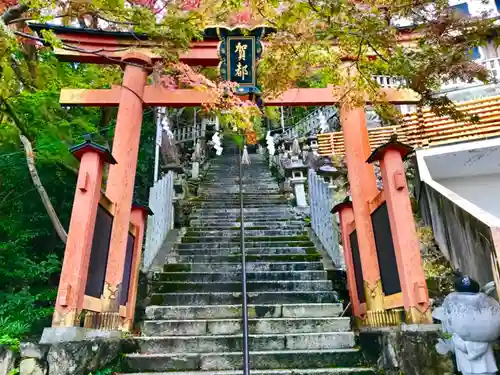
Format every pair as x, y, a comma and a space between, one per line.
320, 371
248, 233
248, 217
236, 276
248, 244
246, 196
236, 267
255, 182
234, 326
287, 311
284, 213
234, 360
249, 251
227, 343
236, 189
271, 200
249, 258
232, 187
236, 180
200, 225
248, 239
221, 298
225, 172
267, 183
236, 205
235, 287
226, 326
262, 210
284, 210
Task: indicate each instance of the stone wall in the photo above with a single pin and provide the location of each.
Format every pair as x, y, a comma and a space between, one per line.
407, 350
463, 239
71, 358
8, 359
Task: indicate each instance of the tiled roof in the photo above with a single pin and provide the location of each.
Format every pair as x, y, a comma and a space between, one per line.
430, 130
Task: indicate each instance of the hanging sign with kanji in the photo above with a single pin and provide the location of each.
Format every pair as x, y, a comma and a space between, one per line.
239, 52
241, 60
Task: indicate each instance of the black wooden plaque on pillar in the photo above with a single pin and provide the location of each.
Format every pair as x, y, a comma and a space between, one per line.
385, 251
358, 271
127, 270
99, 253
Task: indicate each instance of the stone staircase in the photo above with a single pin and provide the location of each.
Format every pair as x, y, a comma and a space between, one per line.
194, 322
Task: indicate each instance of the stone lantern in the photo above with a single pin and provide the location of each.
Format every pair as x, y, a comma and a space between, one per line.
296, 173
312, 154
287, 144
328, 172
312, 141
195, 161
305, 152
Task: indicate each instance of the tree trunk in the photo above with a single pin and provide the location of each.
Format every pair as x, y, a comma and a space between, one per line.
41, 190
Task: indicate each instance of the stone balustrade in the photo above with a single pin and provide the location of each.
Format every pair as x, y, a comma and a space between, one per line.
311, 123
323, 222
161, 199
190, 133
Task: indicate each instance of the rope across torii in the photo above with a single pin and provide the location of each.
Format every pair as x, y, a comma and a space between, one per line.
134, 94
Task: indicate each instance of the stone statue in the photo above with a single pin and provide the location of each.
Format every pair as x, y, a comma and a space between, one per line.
471, 321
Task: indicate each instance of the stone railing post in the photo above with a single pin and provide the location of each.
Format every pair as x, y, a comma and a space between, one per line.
298, 181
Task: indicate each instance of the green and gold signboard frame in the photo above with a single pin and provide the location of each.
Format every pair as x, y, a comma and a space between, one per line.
239, 52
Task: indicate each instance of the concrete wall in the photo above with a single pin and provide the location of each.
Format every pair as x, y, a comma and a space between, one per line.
463, 239
457, 190
483, 191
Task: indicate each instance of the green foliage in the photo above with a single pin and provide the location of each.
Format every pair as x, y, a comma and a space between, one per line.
8, 341
117, 366
105, 371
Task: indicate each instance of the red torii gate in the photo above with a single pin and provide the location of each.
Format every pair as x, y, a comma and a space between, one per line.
131, 97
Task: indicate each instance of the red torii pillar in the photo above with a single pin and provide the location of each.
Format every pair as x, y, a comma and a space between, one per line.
346, 216
363, 185
404, 234
121, 178
70, 295
138, 217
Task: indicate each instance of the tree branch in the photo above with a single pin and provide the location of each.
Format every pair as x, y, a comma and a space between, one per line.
34, 174
61, 232
10, 112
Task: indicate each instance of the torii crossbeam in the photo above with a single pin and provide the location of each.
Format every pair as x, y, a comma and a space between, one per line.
162, 97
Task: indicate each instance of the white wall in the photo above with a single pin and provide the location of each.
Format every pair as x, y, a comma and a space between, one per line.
483, 191
478, 7
468, 174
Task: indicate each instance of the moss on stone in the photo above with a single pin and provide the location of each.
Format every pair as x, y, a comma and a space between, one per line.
284, 257
311, 250
156, 299
176, 268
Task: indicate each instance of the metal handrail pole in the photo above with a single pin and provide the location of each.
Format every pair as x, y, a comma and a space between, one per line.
246, 370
